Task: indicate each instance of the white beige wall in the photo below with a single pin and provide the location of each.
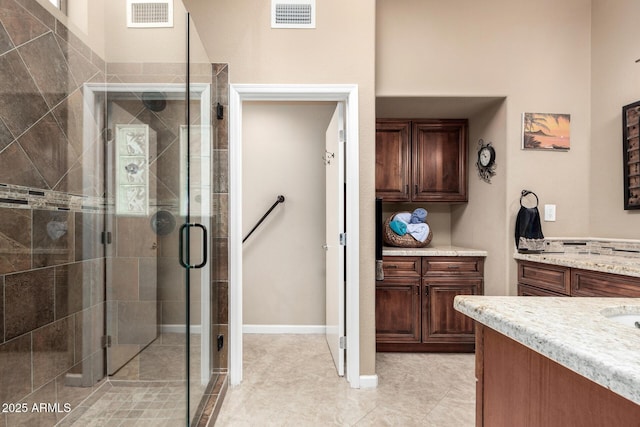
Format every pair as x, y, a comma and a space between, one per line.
340, 50
537, 55
283, 260
157, 45
615, 83
102, 25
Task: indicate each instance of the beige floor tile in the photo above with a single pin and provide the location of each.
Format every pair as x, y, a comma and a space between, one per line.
290, 380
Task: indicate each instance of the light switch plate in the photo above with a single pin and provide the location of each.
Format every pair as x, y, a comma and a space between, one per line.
549, 212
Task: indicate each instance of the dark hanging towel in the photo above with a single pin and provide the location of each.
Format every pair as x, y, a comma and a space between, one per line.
529, 237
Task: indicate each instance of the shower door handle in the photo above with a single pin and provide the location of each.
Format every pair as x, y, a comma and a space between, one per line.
181, 246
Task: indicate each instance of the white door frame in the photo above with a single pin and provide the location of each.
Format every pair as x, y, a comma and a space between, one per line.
174, 91
238, 93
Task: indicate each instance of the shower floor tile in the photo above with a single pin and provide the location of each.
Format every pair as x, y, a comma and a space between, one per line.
131, 404
148, 391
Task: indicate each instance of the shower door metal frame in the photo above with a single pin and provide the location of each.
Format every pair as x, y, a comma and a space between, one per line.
92, 92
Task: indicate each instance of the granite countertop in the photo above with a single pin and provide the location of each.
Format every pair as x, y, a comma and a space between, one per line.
432, 251
570, 331
617, 264
617, 256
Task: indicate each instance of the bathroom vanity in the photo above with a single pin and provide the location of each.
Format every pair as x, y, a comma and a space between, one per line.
555, 361
414, 302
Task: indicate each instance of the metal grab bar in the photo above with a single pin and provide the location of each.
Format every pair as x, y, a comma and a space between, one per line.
280, 199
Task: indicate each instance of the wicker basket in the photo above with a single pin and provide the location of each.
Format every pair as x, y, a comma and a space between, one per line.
406, 241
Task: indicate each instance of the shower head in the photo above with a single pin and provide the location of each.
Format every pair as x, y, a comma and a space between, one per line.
154, 101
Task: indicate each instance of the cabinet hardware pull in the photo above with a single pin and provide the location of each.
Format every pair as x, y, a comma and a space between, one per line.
392, 266
453, 267
416, 189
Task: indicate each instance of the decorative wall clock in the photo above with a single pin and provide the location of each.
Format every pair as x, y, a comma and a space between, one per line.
486, 162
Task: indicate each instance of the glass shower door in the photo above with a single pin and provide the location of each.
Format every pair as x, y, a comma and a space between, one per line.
158, 150
105, 154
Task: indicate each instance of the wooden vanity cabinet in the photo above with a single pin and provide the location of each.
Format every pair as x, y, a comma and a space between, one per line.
398, 302
517, 386
586, 283
422, 160
543, 279
539, 279
414, 304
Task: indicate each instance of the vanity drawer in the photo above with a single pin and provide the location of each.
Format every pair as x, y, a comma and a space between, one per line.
401, 266
586, 283
545, 276
439, 266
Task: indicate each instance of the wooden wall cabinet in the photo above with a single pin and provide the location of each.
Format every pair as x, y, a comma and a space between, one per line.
422, 160
414, 304
541, 279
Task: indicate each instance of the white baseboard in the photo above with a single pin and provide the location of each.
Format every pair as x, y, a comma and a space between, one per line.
368, 381
283, 329
179, 329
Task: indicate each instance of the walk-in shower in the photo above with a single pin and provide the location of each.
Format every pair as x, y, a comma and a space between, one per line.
107, 313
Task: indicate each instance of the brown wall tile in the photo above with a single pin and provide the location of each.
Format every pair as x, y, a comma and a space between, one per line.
68, 291
22, 171
21, 104
49, 68
45, 394
48, 148
15, 240
15, 369
123, 282
20, 24
88, 229
1, 309
5, 41
52, 237
53, 350
135, 238
29, 301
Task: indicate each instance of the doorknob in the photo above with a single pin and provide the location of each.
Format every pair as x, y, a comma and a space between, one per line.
325, 247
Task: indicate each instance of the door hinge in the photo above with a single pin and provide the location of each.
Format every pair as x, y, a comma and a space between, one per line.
341, 136
343, 343
106, 238
105, 341
343, 239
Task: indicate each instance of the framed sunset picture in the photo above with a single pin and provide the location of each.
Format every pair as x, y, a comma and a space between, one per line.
546, 131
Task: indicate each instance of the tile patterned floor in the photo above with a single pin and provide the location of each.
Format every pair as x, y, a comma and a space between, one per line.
290, 380
148, 391
124, 404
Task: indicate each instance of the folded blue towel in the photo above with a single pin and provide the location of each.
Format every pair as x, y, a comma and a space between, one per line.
418, 216
398, 227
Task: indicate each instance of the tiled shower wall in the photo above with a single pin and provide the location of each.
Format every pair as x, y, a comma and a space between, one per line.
220, 200
51, 215
52, 210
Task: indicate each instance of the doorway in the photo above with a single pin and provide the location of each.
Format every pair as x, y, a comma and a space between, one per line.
348, 95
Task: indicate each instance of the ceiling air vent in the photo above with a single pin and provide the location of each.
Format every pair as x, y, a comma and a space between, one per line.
149, 13
293, 14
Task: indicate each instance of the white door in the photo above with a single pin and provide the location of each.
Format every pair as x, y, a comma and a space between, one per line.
334, 248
